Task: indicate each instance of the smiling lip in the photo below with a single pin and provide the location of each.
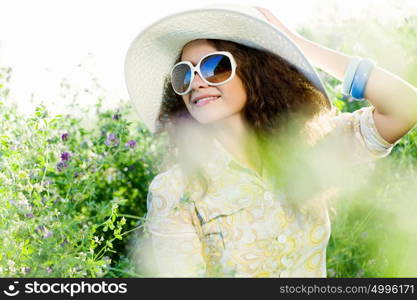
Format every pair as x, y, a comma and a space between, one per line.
204, 102
202, 96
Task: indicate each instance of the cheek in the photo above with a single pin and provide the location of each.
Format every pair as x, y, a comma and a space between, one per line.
237, 94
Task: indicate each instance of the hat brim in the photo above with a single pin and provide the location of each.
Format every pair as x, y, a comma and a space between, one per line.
153, 52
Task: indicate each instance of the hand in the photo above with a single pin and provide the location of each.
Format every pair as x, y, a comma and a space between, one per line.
275, 21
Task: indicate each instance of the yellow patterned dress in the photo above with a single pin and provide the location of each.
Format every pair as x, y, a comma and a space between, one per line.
241, 228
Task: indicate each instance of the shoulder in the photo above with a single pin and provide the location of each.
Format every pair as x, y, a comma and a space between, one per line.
171, 177
166, 189
345, 118
362, 120
359, 127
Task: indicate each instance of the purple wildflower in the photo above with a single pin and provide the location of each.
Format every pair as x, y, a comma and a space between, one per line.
65, 156
48, 182
47, 234
27, 270
64, 136
49, 270
29, 215
131, 144
64, 242
76, 174
61, 165
112, 140
40, 228
116, 116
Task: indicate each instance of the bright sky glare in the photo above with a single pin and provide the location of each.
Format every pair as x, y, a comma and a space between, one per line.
44, 41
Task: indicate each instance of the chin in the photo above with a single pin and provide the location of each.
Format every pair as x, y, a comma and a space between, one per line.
209, 118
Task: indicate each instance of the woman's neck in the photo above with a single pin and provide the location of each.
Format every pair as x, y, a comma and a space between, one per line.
236, 135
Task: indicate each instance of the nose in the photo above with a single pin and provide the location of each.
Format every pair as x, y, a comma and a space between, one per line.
198, 82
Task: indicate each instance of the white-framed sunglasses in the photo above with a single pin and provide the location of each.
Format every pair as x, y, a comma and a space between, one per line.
215, 68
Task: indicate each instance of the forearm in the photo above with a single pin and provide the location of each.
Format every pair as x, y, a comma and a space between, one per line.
391, 95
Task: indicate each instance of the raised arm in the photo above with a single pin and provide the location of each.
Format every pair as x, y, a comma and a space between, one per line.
394, 99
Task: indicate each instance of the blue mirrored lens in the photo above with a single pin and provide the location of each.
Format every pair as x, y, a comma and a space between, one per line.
216, 68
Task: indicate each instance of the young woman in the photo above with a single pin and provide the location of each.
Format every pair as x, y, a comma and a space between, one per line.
243, 107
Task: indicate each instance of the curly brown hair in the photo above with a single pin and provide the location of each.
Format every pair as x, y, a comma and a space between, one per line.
279, 98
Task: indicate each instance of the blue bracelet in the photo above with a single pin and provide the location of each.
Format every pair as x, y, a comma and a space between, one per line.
360, 79
349, 74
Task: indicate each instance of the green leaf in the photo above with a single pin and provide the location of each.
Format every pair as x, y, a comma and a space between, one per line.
339, 104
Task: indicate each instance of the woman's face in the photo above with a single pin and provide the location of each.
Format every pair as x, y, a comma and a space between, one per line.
232, 95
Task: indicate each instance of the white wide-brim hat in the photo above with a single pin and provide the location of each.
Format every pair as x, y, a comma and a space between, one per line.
153, 52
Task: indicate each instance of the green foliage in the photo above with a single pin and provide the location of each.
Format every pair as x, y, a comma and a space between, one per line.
70, 215
366, 238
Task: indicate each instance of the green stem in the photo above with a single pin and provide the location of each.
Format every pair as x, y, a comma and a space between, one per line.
126, 232
97, 255
130, 216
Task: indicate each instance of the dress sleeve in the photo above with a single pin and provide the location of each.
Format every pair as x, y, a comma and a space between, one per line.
173, 241
357, 133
